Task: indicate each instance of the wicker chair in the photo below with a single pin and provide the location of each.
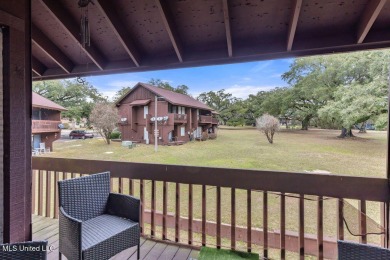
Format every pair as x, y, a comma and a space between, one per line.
94, 223
32, 250
355, 251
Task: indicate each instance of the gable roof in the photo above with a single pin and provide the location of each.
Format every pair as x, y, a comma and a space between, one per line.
172, 97
39, 101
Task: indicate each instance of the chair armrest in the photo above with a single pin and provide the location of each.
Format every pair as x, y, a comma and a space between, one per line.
124, 206
70, 235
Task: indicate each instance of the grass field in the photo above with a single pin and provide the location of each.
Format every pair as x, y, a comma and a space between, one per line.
293, 150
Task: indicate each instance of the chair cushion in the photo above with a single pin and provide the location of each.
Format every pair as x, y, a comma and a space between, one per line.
103, 227
107, 235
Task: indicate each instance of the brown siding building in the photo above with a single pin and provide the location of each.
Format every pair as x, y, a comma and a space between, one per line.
46, 118
179, 117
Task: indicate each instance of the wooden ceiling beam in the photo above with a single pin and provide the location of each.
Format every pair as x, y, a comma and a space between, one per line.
37, 66
63, 17
51, 50
226, 17
107, 9
170, 27
368, 18
292, 27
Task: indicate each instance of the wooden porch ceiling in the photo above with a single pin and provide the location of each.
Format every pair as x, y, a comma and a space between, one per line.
133, 35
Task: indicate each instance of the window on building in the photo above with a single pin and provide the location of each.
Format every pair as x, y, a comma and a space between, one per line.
182, 131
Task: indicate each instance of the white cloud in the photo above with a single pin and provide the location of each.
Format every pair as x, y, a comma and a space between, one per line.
108, 93
244, 91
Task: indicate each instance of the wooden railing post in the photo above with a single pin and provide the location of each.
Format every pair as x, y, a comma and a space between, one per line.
233, 219
153, 209
362, 222
56, 201
165, 210
203, 215
249, 220
301, 227
282, 226
177, 214
48, 193
265, 224
142, 198
218, 189
190, 214
340, 219
320, 233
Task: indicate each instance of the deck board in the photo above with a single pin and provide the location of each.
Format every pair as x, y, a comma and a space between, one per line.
47, 229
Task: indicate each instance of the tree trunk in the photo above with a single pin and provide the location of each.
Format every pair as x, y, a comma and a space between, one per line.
362, 128
346, 133
305, 123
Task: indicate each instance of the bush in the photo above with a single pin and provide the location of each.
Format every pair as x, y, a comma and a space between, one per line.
204, 136
212, 136
115, 135
66, 125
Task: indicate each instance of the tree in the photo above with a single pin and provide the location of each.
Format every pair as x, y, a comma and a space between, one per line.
268, 125
313, 81
219, 101
363, 95
77, 97
104, 117
182, 89
120, 93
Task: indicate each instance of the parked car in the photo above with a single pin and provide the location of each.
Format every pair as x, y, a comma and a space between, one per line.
80, 134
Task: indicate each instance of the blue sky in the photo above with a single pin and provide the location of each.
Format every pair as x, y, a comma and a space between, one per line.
240, 79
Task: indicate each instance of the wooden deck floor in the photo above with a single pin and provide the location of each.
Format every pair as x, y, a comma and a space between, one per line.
47, 229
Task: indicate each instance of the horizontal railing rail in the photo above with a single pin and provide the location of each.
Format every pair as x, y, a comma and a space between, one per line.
180, 117
205, 119
45, 125
161, 187
338, 186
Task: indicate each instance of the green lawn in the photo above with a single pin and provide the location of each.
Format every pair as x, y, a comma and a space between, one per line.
293, 150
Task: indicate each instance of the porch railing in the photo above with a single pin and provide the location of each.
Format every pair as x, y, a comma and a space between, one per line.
39, 126
176, 202
205, 119
180, 118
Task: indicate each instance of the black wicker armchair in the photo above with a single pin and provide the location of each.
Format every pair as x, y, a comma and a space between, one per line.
94, 223
355, 251
32, 250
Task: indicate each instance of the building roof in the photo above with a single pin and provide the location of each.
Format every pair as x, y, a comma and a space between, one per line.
39, 101
172, 97
130, 36
140, 102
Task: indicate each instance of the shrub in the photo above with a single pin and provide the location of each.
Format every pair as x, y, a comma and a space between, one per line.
115, 135
204, 136
66, 125
212, 136
268, 125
